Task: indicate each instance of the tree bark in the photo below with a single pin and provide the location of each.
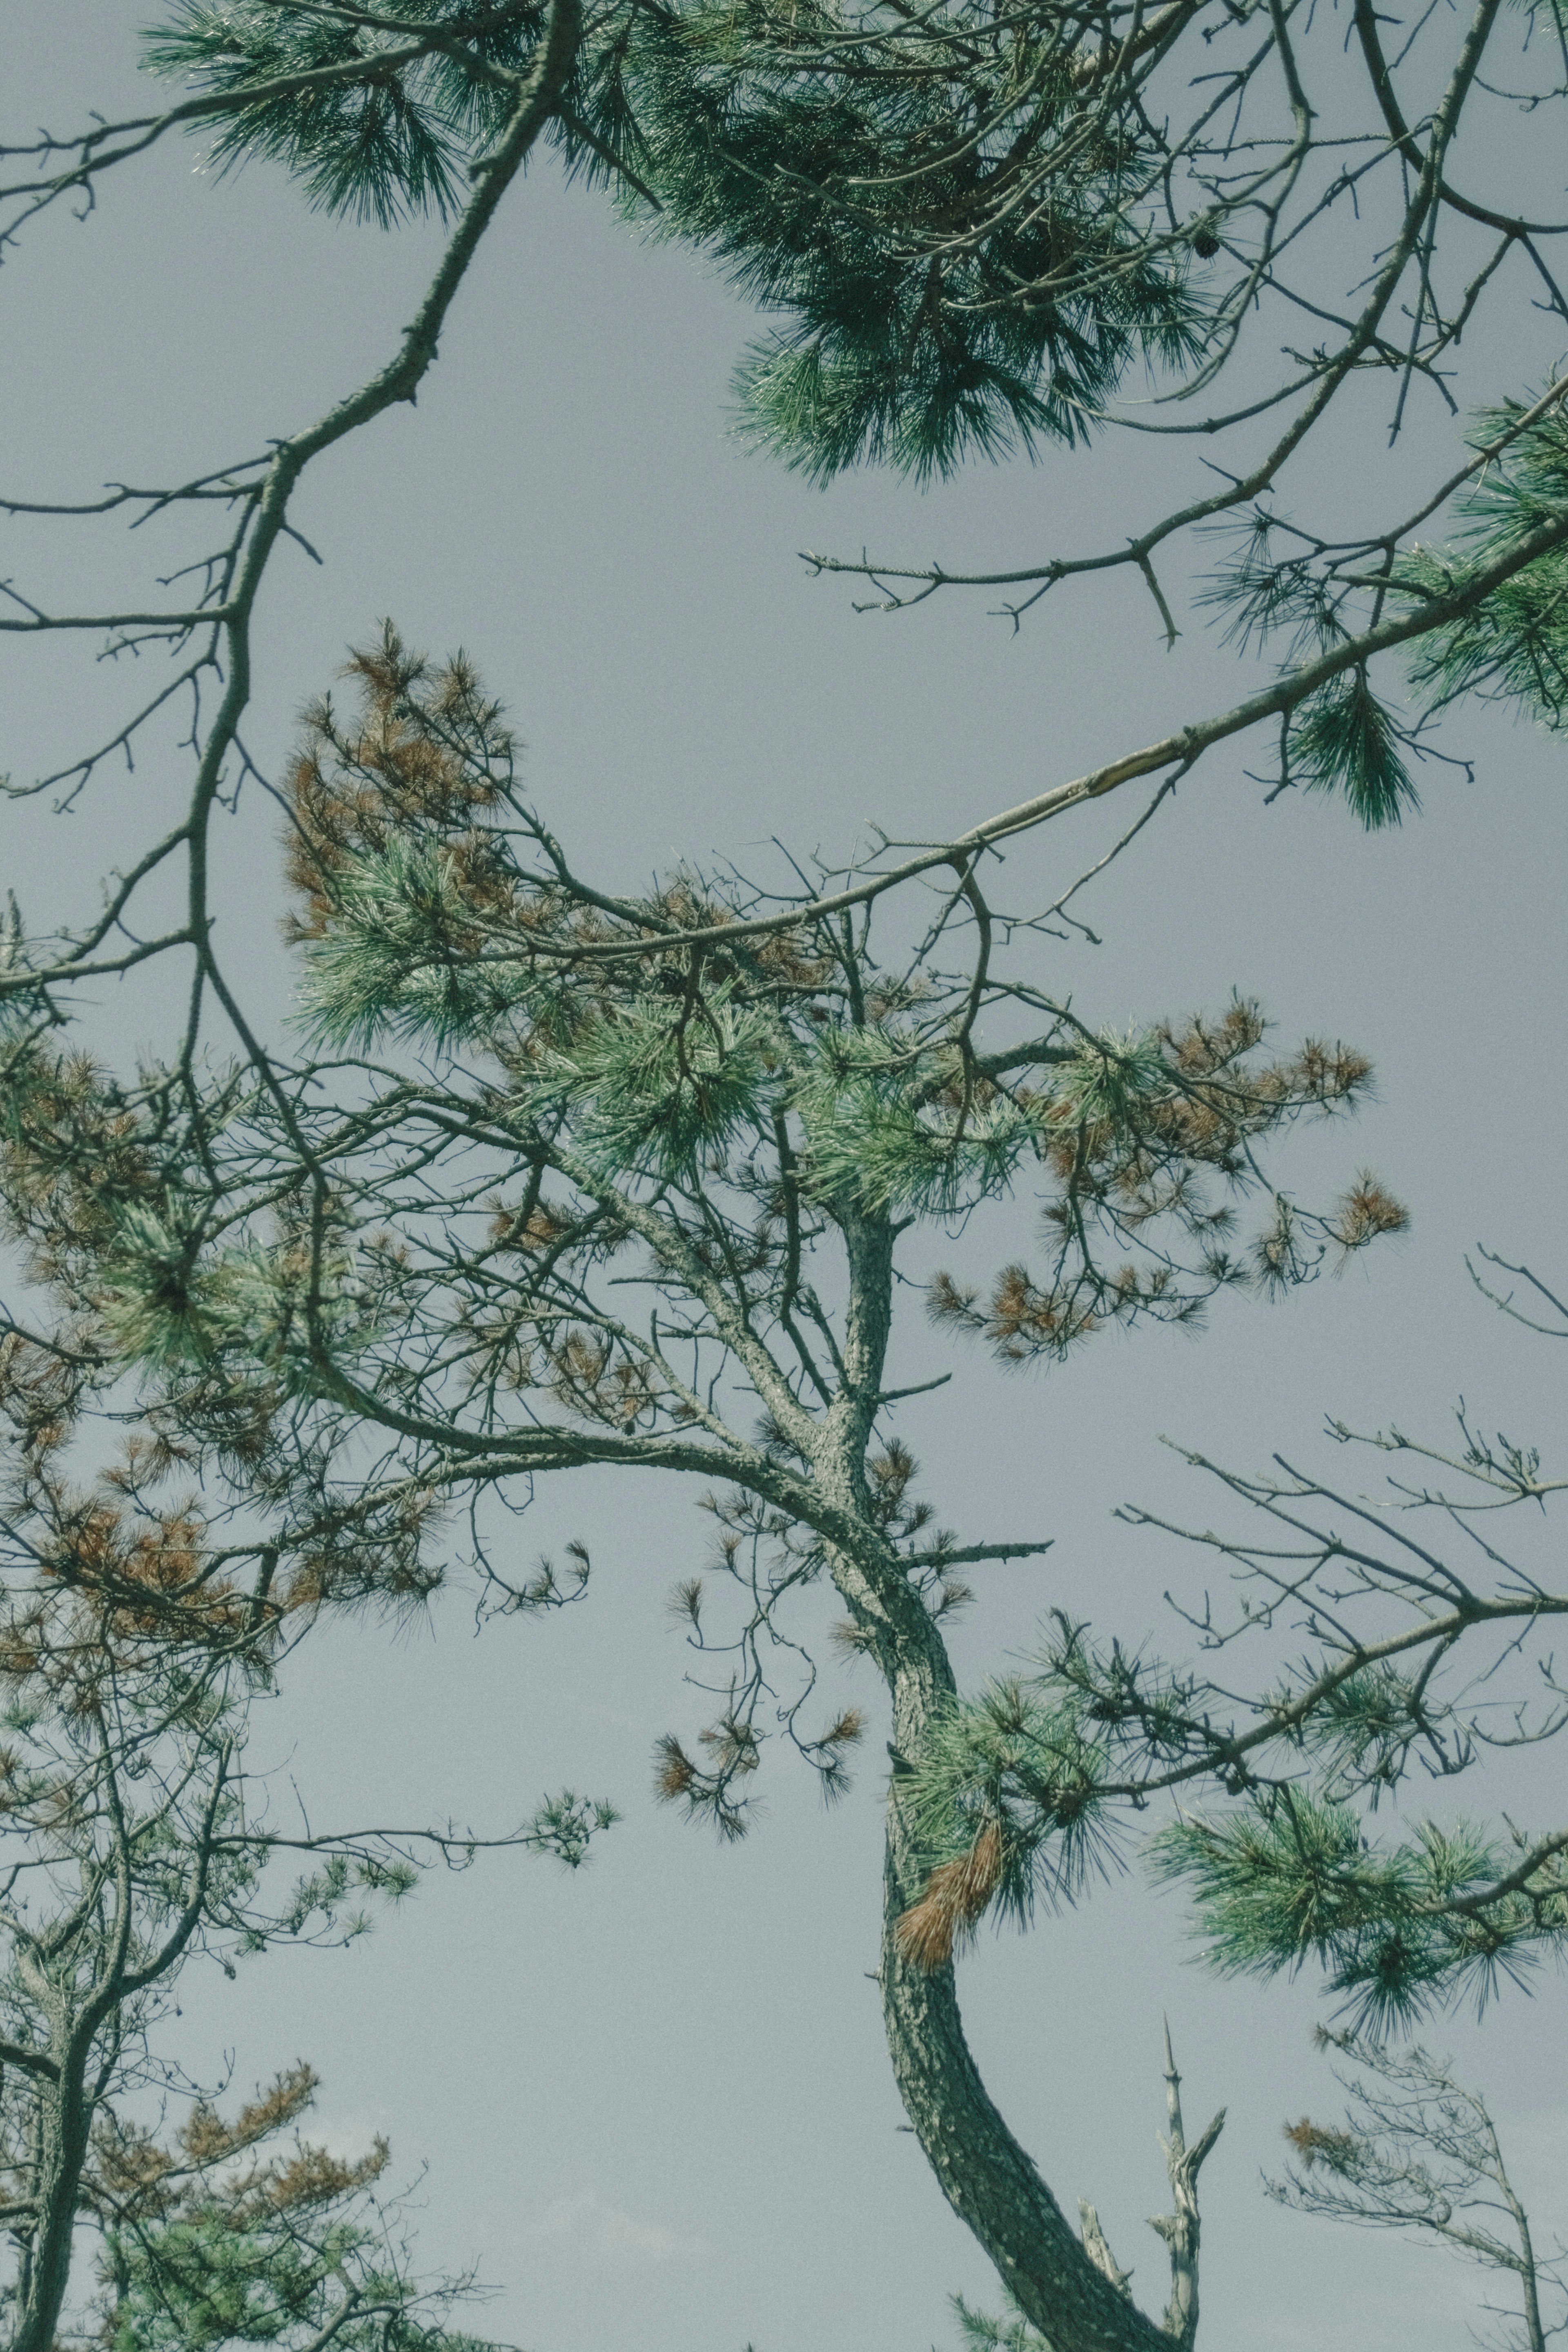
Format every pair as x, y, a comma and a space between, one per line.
991, 2183
64, 2118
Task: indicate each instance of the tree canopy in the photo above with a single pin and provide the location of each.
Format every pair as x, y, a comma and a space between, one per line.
546, 1175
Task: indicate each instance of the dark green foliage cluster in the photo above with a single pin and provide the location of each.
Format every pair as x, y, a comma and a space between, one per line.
955, 213
407, 136
375, 146
1289, 1880
1007, 1797
595, 1072
1022, 1790
1509, 645
1345, 741
953, 220
1266, 592
195, 2284
1016, 1792
245, 2233
1512, 646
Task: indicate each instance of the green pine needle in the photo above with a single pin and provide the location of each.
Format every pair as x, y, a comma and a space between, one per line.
1345, 741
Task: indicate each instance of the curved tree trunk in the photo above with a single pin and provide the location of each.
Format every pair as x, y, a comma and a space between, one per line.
991, 2183
987, 2178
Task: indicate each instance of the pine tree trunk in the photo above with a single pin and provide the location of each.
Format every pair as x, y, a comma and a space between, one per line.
61, 2143
988, 2180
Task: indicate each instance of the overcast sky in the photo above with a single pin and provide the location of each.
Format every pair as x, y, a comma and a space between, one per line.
653, 2099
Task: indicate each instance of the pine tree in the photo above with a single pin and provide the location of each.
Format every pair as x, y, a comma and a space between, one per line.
742, 1120
228, 2235
1418, 2152
976, 231
136, 1629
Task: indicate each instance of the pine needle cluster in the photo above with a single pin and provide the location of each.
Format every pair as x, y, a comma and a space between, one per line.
954, 211
1023, 1789
1393, 1925
238, 2234
373, 145
1509, 644
958, 214
1512, 646
1011, 1781
981, 2332
1136, 1131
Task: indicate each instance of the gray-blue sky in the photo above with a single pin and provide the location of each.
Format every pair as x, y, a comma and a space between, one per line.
654, 2099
